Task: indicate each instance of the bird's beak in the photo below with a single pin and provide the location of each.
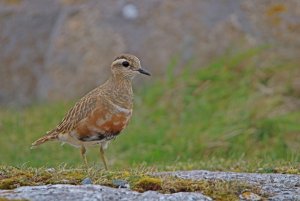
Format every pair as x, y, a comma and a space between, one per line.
143, 71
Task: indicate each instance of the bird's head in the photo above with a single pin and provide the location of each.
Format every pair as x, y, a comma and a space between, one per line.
127, 66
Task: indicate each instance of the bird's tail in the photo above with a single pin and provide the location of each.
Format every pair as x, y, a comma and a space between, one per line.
42, 140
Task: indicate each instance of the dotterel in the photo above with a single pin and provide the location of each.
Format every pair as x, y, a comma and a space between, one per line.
103, 113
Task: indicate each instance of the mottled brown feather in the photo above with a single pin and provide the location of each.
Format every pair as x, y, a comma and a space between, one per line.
80, 110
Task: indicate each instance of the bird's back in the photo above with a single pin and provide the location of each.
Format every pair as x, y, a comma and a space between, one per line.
79, 111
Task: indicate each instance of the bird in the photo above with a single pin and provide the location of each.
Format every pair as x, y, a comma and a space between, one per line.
102, 114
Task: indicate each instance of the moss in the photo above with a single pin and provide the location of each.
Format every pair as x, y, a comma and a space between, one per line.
281, 170
147, 184
6, 199
15, 177
67, 177
140, 180
288, 170
19, 179
216, 189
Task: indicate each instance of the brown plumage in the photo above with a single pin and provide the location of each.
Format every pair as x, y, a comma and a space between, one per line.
103, 113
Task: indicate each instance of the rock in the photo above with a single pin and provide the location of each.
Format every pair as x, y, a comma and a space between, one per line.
86, 181
278, 186
93, 192
120, 183
269, 186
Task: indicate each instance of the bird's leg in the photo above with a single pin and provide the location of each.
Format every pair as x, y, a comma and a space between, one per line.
82, 152
103, 157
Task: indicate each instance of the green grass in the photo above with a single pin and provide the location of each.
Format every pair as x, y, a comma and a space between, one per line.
234, 114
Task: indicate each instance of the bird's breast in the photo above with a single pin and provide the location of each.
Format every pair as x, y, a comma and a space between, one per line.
103, 123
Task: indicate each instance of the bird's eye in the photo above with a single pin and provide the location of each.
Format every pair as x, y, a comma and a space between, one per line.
125, 63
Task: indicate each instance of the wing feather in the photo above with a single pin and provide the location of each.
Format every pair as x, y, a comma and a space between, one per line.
80, 110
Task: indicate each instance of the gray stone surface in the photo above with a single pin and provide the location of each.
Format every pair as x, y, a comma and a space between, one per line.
93, 192
59, 49
279, 186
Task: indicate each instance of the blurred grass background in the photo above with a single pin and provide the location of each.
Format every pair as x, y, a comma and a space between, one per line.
233, 114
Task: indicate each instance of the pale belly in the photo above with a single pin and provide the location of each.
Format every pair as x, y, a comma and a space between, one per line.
67, 138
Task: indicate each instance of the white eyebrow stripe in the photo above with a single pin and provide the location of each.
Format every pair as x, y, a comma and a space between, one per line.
118, 61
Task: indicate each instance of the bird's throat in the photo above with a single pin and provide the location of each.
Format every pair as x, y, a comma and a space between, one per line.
120, 90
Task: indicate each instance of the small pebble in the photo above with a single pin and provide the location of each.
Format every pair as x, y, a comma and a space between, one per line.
120, 183
86, 181
51, 170
130, 11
